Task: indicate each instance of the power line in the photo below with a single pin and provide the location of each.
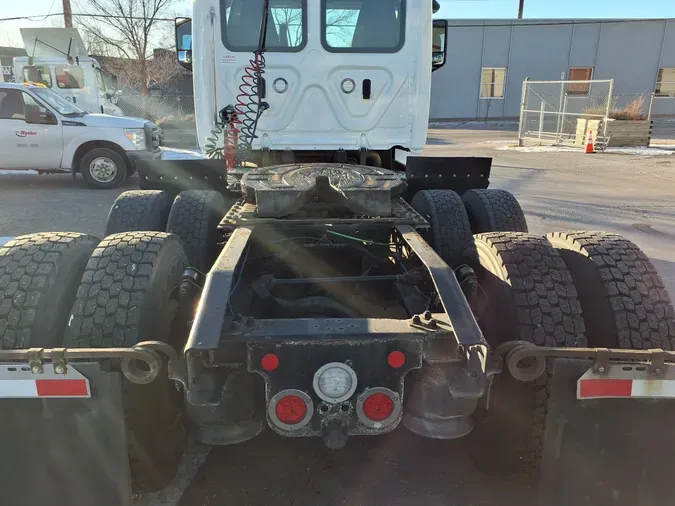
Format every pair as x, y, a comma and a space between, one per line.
102, 16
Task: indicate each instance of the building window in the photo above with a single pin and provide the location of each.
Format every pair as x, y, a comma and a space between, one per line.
665, 85
579, 74
363, 26
69, 77
492, 82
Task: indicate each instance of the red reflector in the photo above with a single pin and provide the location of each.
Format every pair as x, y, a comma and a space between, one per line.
61, 388
605, 388
396, 359
269, 362
291, 409
378, 407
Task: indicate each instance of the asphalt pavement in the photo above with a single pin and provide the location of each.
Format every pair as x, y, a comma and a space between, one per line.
626, 194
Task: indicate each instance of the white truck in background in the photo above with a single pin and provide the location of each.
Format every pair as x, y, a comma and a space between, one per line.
41, 130
58, 59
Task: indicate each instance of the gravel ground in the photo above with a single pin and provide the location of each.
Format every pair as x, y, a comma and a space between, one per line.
630, 195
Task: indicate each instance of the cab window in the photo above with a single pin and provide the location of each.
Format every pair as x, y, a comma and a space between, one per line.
38, 74
18, 105
363, 26
35, 112
69, 77
286, 26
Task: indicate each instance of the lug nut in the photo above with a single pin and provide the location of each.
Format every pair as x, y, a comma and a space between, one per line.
59, 369
427, 315
416, 319
35, 369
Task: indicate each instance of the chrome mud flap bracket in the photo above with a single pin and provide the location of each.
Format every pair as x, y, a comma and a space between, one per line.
66, 450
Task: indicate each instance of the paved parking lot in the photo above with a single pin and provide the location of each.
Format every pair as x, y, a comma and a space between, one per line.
630, 195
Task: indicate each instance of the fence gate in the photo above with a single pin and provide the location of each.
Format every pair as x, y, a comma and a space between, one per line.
550, 110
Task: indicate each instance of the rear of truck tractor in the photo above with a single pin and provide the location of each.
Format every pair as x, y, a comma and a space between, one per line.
332, 301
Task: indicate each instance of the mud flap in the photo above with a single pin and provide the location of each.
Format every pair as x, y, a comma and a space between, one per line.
175, 176
66, 451
604, 452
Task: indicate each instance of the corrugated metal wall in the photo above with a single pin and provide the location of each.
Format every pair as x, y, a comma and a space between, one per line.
631, 52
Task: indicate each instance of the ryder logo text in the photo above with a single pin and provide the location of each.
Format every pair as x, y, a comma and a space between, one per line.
25, 133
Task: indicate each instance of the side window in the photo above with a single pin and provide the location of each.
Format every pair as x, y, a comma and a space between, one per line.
286, 26
36, 113
69, 77
11, 105
100, 81
38, 74
363, 26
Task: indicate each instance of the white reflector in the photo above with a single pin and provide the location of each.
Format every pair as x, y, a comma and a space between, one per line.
18, 382
626, 381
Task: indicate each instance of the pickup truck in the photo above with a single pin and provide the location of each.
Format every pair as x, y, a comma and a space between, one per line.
41, 130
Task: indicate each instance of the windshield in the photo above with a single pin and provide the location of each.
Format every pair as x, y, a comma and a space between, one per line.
59, 103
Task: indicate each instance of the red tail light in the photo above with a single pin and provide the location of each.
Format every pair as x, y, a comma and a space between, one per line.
269, 362
290, 409
396, 359
378, 407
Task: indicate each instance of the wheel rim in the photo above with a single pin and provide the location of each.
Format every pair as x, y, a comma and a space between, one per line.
103, 169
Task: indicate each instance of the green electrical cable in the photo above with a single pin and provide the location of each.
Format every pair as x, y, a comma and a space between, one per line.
366, 241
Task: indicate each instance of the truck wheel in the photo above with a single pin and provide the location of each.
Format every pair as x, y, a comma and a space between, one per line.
127, 295
623, 298
494, 211
103, 168
450, 233
528, 295
194, 217
139, 210
39, 274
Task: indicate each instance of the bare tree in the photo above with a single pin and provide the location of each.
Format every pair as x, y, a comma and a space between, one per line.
125, 27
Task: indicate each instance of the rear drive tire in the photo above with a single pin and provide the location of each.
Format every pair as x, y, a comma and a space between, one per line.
528, 295
139, 210
623, 298
494, 211
194, 217
127, 295
103, 168
450, 232
39, 274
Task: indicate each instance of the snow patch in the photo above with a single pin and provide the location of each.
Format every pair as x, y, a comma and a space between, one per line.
620, 151
18, 172
181, 154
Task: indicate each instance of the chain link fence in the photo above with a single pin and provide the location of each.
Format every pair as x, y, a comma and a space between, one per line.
551, 110
562, 112
160, 108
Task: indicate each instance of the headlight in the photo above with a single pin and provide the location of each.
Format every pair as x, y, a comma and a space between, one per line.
137, 136
335, 382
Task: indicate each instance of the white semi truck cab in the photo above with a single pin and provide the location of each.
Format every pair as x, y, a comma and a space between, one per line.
58, 60
340, 80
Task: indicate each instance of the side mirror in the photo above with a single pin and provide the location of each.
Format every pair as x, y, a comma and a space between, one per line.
109, 95
184, 42
439, 44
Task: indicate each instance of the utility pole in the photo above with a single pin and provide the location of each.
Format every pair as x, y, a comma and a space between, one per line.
67, 14
520, 8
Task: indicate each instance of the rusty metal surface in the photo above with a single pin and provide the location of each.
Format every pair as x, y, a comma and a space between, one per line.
66, 451
607, 452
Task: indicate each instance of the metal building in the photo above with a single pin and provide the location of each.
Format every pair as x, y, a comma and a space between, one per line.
488, 60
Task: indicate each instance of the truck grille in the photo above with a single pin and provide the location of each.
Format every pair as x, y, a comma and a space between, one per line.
153, 136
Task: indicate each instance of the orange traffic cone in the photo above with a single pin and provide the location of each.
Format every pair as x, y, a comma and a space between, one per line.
590, 144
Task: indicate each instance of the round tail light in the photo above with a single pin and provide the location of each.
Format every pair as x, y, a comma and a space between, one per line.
290, 409
378, 407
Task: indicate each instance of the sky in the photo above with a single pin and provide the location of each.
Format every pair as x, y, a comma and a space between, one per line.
9, 30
